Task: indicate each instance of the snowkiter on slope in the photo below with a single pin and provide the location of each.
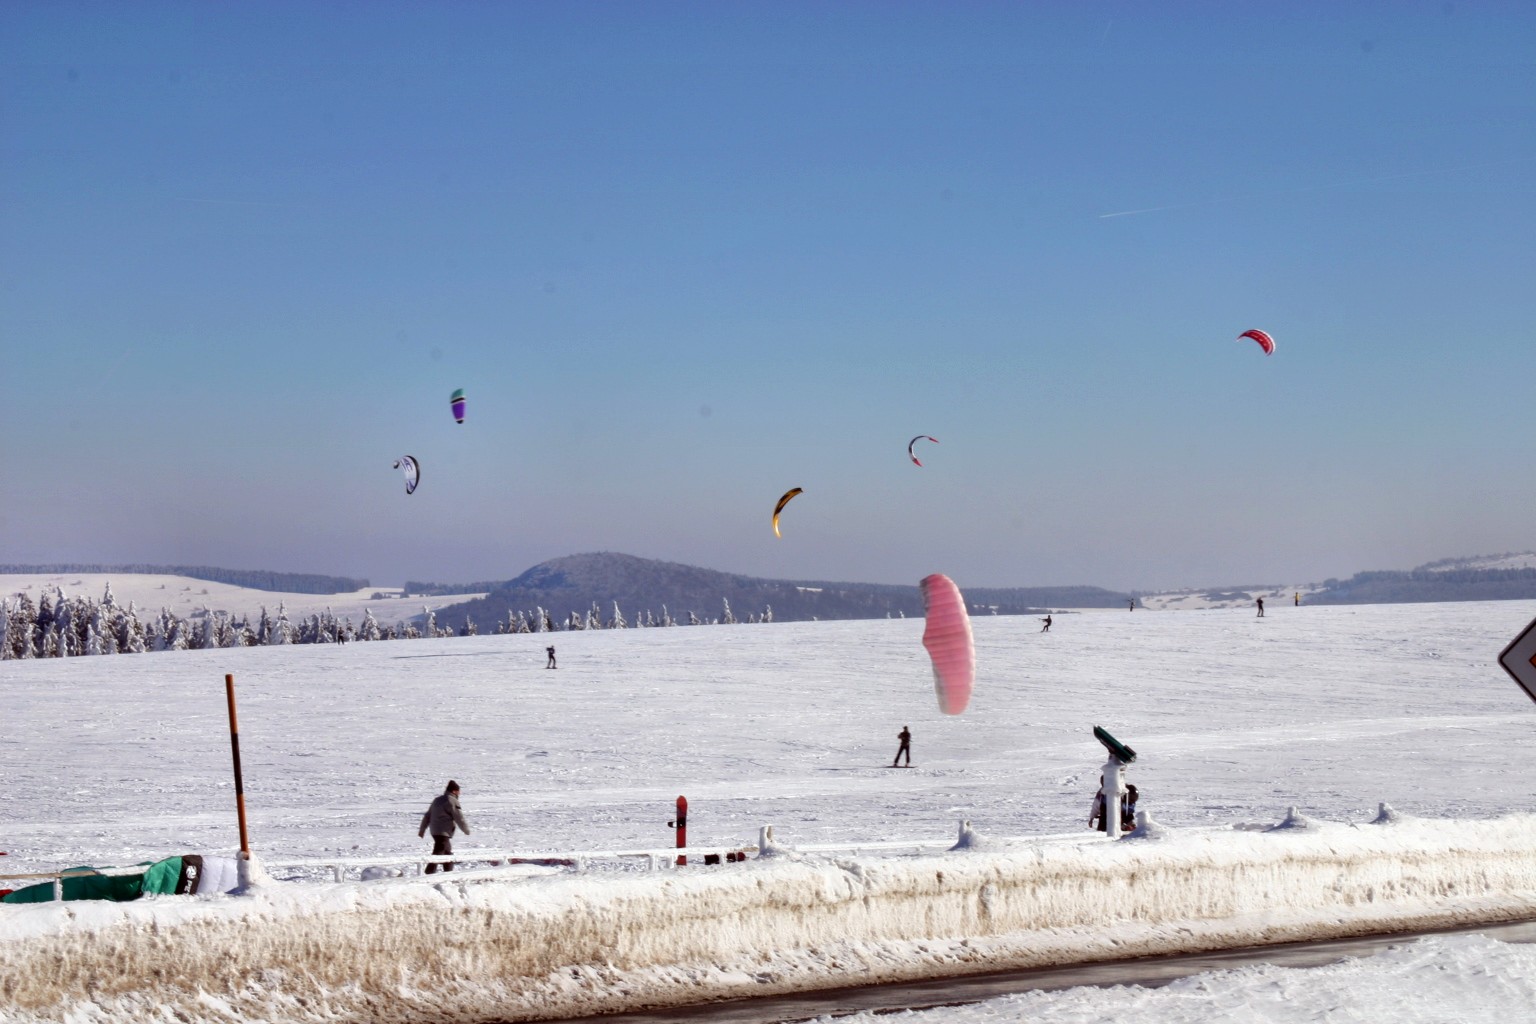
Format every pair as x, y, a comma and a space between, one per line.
441, 817
906, 747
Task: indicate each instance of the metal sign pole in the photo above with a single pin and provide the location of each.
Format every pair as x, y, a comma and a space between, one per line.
234, 742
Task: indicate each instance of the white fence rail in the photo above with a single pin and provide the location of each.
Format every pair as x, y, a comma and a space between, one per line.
659, 858
579, 860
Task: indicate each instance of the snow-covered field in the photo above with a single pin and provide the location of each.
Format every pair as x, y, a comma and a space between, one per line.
185, 596
111, 760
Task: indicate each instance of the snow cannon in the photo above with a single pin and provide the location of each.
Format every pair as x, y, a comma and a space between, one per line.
1117, 750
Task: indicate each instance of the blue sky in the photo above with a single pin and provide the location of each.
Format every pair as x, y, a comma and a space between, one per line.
683, 257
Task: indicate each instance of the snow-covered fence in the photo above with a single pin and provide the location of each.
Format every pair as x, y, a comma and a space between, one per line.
339, 869
649, 859
579, 860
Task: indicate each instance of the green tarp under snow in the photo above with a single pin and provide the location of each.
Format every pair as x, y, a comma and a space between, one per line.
164, 876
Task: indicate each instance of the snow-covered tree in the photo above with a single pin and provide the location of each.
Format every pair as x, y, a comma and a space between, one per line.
618, 618
726, 617
768, 613
45, 617
370, 627
23, 624
136, 640
65, 619
178, 639
127, 631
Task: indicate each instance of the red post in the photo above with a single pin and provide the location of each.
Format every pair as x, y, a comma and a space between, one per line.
682, 828
234, 741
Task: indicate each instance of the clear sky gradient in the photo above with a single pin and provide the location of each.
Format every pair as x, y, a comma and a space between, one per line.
683, 257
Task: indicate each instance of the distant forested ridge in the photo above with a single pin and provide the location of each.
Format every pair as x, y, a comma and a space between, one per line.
1422, 584
254, 579
605, 587
416, 588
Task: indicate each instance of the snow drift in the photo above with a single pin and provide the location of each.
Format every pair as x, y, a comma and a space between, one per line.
508, 944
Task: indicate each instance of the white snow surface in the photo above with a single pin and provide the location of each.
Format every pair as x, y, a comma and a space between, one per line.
1451, 979
1330, 710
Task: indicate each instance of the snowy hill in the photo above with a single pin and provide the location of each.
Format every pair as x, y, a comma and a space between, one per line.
1511, 560
577, 583
1493, 578
1510, 576
186, 596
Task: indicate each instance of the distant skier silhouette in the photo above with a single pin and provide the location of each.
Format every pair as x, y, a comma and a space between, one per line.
906, 747
551, 652
1047, 627
1261, 607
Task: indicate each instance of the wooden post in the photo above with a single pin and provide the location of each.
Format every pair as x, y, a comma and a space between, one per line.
234, 742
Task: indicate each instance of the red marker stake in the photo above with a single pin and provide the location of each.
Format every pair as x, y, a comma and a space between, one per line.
682, 828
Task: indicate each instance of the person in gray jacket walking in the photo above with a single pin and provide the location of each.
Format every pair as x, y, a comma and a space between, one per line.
441, 818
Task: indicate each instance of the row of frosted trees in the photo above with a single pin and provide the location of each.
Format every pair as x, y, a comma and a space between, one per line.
57, 626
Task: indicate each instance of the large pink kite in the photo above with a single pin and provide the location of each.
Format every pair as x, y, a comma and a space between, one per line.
947, 636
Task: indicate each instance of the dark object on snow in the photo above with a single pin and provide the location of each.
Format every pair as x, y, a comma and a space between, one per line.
1119, 751
180, 876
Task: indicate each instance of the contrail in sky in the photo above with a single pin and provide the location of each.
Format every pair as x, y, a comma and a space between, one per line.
223, 202
1315, 188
